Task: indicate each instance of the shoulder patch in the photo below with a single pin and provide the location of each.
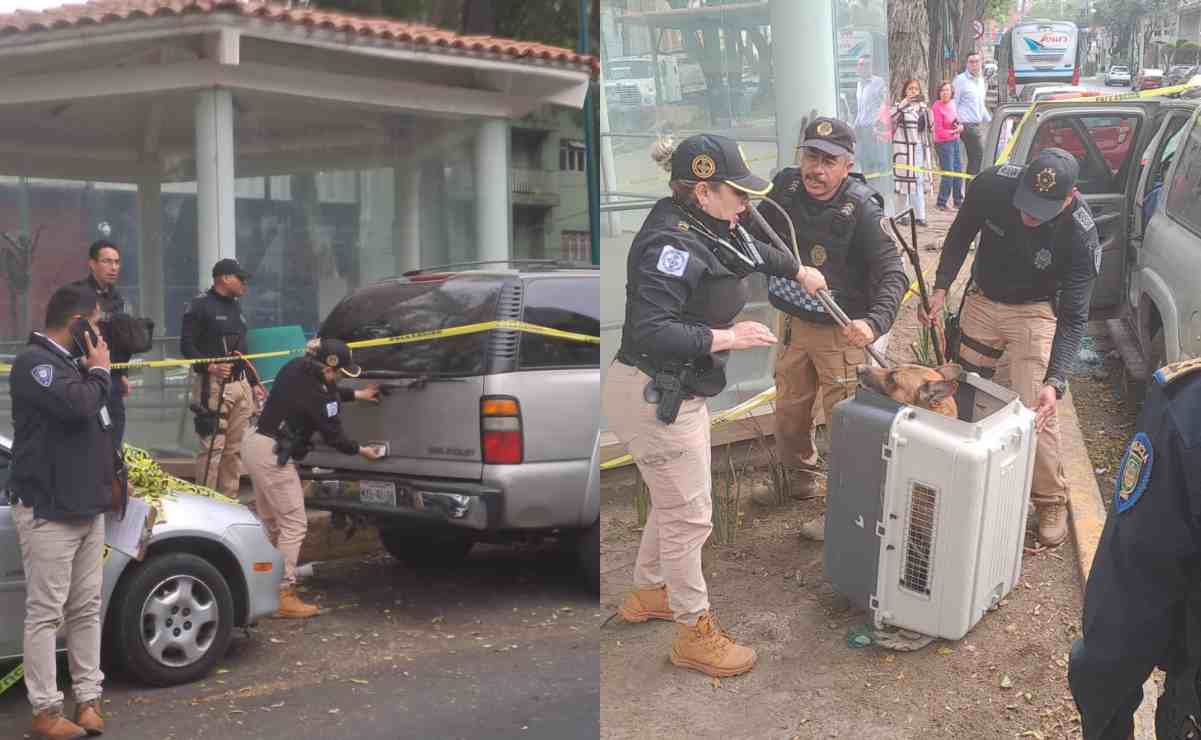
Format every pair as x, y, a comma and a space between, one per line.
1169, 374
1084, 218
43, 375
1012, 171
1134, 473
672, 261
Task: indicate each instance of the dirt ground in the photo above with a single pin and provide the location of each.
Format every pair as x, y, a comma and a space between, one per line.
1006, 679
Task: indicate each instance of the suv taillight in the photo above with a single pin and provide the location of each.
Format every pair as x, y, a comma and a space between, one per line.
500, 430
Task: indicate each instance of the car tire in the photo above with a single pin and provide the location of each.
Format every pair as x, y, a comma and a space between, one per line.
587, 544
155, 602
423, 550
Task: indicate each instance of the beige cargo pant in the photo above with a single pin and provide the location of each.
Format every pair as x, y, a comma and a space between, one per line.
278, 500
1023, 333
237, 407
816, 358
63, 562
674, 460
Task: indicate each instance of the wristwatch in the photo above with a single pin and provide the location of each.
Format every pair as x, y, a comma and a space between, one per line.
1059, 385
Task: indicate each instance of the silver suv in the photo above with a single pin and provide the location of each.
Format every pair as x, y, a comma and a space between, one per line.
491, 436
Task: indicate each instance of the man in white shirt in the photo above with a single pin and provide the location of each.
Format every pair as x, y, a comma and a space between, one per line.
870, 93
970, 90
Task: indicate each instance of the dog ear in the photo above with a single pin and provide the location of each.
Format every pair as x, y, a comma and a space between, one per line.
950, 371
932, 392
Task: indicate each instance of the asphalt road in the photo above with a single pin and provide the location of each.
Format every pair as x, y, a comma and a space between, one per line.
502, 647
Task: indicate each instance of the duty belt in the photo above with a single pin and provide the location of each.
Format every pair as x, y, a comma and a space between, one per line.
646, 367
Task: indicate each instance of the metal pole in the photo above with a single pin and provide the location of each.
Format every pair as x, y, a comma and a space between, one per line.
590, 146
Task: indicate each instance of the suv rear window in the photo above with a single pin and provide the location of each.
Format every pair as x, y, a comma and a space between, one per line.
404, 307
568, 304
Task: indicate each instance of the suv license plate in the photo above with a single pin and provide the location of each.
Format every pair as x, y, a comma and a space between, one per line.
374, 492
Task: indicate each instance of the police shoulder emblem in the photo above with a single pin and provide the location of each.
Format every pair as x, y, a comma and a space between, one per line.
672, 261
331, 360
703, 166
824, 128
1042, 259
818, 254
43, 375
847, 210
1177, 370
1134, 473
1045, 180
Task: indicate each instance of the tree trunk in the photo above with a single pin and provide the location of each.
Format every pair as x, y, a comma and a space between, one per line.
908, 42
945, 58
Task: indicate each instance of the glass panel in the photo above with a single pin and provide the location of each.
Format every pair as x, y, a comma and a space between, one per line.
568, 305
1184, 192
1101, 144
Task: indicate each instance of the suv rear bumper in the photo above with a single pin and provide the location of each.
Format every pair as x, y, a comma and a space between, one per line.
455, 503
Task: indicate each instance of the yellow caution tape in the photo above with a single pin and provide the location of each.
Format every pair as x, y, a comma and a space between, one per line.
420, 336
944, 173
11, 679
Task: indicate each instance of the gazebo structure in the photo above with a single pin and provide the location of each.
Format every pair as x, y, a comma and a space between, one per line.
323, 150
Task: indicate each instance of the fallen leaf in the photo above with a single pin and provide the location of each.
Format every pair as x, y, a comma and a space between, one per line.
222, 670
362, 681
1006, 682
716, 682
945, 651
275, 641
334, 711
1032, 733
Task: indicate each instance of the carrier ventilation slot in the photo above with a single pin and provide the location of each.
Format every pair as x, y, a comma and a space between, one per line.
918, 564
505, 343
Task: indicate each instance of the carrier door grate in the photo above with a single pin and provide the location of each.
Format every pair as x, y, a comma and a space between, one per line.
918, 572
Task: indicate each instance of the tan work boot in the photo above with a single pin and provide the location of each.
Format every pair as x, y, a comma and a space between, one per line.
87, 716
706, 648
802, 484
52, 725
291, 607
815, 529
645, 604
1052, 524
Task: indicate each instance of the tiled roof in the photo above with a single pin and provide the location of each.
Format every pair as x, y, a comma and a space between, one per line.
115, 11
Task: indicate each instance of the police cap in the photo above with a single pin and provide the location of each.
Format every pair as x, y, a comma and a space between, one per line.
335, 354
1046, 183
710, 157
831, 136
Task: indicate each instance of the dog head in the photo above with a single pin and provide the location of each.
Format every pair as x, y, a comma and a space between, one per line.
916, 385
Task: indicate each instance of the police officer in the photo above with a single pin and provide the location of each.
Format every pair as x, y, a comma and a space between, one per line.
224, 394
839, 228
1142, 605
686, 284
304, 399
104, 267
1035, 267
62, 478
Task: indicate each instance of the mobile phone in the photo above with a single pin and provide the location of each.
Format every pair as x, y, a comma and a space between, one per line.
79, 329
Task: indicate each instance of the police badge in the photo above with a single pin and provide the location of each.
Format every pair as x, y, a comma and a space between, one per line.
703, 166
818, 254
1134, 473
1042, 259
824, 128
1045, 180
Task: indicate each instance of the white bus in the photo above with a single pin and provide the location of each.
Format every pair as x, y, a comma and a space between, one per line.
1040, 51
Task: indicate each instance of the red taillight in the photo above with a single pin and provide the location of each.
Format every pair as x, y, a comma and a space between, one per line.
431, 277
1013, 82
500, 430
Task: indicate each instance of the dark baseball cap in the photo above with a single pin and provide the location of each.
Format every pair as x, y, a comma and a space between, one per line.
1046, 183
334, 353
710, 157
829, 135
229, 266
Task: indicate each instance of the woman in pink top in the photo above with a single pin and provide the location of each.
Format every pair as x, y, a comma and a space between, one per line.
946, 142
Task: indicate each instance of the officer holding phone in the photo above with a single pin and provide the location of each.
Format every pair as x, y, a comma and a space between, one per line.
62, 477
304, 399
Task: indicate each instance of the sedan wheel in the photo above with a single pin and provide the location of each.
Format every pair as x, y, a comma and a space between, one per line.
179, 621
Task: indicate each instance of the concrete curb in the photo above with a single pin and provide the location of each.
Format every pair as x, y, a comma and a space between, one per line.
1087, 522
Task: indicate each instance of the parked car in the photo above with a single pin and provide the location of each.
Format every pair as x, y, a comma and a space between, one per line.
1059, 92
205, 555
1149, 79
1140, 172
492, 437
1118, 74
1179, 74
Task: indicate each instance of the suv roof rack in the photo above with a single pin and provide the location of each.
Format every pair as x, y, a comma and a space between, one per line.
543, 263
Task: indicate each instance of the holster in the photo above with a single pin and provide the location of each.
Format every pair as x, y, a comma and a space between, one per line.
206, 421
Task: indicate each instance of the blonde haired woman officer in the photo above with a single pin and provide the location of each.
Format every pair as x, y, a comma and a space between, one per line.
686, 284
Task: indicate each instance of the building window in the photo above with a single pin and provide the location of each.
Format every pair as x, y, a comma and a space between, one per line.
576, 246
572, 155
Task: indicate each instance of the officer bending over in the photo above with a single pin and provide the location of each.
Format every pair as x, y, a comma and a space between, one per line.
304, 399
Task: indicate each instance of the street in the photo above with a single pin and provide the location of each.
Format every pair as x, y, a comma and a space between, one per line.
501, 647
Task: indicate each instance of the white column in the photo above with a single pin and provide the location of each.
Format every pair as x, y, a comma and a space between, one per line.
493, 230
150, 253
214, 180
803, 59
407, 226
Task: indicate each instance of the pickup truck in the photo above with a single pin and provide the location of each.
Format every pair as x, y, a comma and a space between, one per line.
1140, 172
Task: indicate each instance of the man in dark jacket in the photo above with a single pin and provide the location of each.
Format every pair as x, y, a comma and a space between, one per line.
63, 468
104, 267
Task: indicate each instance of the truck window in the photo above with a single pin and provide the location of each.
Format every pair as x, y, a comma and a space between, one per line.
1184, 192
1102, 145
567, 304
